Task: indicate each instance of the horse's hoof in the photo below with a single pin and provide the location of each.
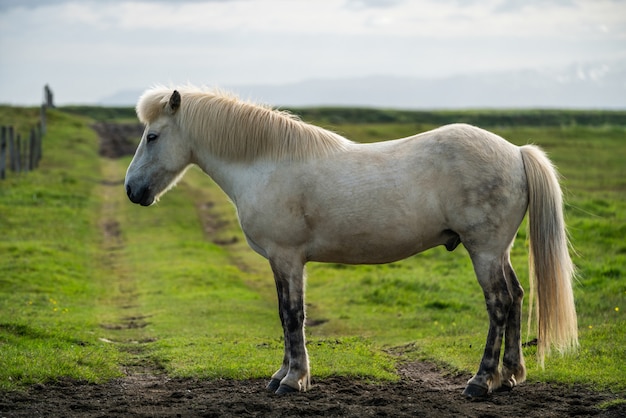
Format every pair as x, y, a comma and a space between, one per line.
284, 390
475, 392
273, 385
504, 388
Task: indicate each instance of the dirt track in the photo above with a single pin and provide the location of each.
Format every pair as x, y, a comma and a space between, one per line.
423, 390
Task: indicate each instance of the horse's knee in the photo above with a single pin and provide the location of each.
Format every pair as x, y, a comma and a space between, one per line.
498, 306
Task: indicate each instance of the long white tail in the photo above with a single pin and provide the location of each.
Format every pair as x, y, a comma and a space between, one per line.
551, 268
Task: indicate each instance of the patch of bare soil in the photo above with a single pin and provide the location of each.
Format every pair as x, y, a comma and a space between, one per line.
146, 391
422, 391
117, 139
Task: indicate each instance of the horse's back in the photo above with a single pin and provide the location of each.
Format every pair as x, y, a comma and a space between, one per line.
463, 143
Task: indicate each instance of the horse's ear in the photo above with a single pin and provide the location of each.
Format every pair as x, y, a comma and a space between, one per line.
174, 102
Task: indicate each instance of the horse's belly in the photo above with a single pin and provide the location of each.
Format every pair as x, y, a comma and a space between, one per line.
372, 247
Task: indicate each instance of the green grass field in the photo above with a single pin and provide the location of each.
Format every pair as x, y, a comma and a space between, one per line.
91, 284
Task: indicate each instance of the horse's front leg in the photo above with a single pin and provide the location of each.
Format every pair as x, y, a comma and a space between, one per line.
294, 375
274, 383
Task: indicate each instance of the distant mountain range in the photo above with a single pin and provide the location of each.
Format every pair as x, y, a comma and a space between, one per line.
591, 86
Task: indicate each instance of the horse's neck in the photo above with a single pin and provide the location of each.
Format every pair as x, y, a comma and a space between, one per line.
232, 177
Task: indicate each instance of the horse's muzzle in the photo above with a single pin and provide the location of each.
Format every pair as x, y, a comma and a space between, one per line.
141, 196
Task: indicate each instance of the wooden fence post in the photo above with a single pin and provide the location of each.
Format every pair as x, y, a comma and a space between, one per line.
3, 152
12, 150
33, 147
48, 96
24, 161
18, 153
23, 156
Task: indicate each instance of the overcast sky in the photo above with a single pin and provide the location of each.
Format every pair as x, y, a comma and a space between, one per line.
90, 49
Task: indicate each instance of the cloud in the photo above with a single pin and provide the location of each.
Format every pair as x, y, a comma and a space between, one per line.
512, 6
29, 4
33, 4
375, 4
422, 18
94, 47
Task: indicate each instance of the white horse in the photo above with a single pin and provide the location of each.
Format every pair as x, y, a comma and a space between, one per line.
303, 194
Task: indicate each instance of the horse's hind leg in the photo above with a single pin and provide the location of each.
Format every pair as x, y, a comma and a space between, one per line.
490, 273
294, 375
513, 368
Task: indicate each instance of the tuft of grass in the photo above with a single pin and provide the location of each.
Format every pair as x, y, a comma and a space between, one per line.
36, 353
613, 403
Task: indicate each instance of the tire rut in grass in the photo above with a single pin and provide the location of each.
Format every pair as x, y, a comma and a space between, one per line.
126, 323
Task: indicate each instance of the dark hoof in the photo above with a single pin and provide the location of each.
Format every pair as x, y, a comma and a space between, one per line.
504, 388
273, 385
475, 392
284, 390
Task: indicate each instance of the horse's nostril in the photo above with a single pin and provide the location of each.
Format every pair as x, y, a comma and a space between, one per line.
128, 191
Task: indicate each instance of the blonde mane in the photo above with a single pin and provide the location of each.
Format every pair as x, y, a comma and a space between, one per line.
237, 130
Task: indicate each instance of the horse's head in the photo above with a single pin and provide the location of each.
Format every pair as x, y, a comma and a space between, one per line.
163, 153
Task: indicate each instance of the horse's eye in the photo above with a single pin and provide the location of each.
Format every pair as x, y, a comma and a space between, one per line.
151, 137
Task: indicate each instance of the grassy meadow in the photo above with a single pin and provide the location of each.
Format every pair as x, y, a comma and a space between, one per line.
92, 286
